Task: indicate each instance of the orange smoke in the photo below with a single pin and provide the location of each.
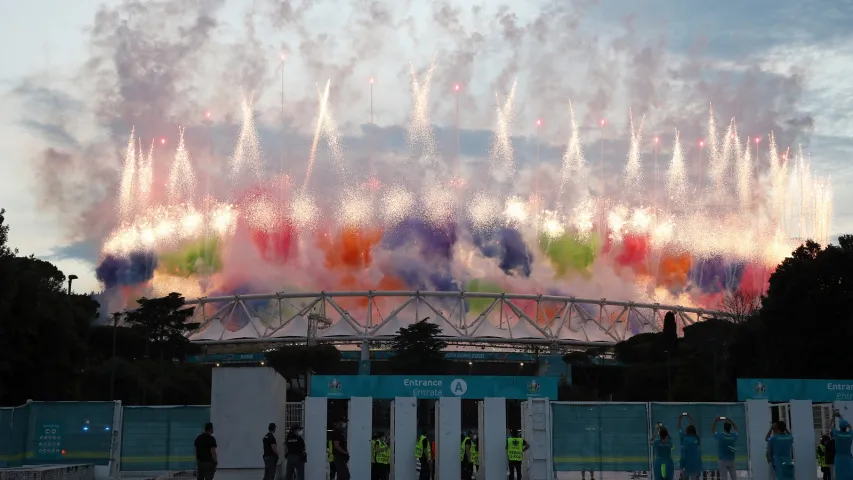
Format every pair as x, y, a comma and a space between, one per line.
674, 270
350, 248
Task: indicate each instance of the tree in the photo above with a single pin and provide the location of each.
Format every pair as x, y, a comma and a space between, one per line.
297, 362
163, 322
5, 251
42, 329
805, 323
419, 350
740, 305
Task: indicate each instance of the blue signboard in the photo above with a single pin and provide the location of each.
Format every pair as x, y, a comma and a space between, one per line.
432, 387
783, 390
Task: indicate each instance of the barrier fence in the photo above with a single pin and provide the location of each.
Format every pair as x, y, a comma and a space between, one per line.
597, 437
614, 437
161, 438
56, 433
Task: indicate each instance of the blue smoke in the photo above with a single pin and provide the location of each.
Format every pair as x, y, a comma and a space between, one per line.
114, 271
507, 245
433, 242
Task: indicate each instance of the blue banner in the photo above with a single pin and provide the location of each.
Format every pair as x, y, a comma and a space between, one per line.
432, 387
783, 390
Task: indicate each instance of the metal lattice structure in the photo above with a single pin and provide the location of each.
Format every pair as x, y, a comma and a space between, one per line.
464, 317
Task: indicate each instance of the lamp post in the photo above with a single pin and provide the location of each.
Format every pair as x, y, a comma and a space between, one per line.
71, 278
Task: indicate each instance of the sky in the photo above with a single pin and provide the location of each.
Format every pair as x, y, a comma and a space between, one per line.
74, 82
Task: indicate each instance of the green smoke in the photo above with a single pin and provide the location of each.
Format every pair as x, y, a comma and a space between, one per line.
569, 253
197, 257
478, 305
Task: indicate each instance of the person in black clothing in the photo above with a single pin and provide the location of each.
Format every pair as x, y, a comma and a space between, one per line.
426, 456
339, 448
295, 454
830, 457
270, 453
205, 453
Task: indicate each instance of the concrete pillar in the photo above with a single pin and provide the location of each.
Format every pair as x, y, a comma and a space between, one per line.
316, 437
404, 424
494, 461
448, 437
243, 402
802, 429
758, 421
359, 434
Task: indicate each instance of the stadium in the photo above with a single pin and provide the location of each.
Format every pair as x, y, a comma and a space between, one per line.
517, 261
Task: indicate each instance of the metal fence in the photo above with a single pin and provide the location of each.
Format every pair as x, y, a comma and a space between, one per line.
161, 438
614, 437
57, 433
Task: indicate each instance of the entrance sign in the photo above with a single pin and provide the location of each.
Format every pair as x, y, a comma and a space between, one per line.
432, 387
784, 390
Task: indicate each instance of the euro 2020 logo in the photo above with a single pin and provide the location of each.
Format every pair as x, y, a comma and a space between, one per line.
533, 387
334, 386
760, 388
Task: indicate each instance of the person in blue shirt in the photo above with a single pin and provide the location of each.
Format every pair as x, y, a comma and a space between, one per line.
780, 450
691, 454
662, 449
843, 444
726, 450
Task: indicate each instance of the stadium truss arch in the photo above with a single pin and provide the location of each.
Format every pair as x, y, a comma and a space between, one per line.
464, 318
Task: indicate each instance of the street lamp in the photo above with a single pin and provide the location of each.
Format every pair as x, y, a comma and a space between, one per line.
71, 278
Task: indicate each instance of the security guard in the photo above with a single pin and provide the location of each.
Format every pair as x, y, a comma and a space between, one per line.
330, 453
381, 458
475, 454
374, 470
465, 456
515, 448
423, 454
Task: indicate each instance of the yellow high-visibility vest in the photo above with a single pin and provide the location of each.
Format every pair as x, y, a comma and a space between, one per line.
465, 441
383, 452
330, 452
514, 449
475, 455
419, 449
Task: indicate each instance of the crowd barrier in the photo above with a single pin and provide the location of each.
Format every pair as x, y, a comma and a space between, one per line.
39, 433
160, 438
614, 437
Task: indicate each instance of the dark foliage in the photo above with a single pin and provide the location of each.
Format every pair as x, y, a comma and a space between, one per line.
419, 350
50, 349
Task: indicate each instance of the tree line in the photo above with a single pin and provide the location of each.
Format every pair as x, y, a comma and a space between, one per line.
52, 348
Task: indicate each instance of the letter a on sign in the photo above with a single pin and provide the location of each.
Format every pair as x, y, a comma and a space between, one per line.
458, 387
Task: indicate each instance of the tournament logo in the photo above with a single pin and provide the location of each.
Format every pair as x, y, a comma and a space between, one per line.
334, 386
759, 388
533, 387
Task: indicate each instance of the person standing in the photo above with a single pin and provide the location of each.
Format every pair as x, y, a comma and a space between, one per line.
662, 448
339, 448
726, 450
691, 454
843, 443
475, 453
330, 454
465, 457
270, 453
382, 456
780, 449
205, 453
423, 454
295, 454
821, 453
515, 448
